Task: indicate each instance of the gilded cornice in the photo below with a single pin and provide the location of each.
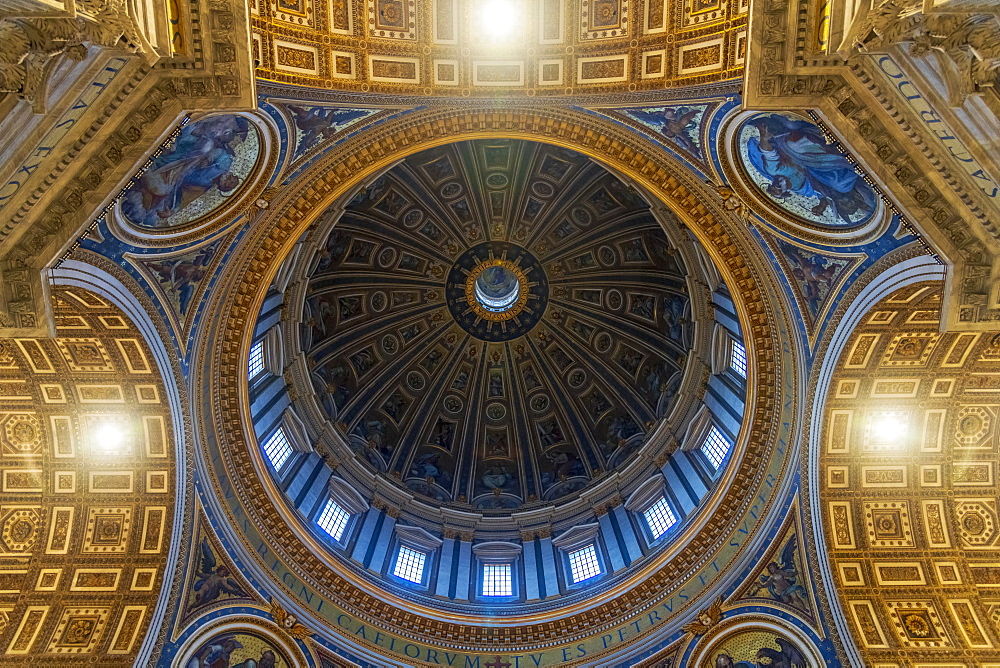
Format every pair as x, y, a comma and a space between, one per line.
788, 70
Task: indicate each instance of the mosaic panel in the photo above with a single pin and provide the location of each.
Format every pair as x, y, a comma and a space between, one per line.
194, 174
795, 168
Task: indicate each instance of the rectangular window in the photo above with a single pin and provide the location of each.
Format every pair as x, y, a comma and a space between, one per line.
583, 563
333, 519
660, 517
497, 580
278, 449
410, 565
256, 362
738, 359
716, 447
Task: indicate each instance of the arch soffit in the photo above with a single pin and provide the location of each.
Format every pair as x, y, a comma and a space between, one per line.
106, 280
896, 271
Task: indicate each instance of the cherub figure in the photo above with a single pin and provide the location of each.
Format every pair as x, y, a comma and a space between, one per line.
214, 579
707, 618
780, 580
288, 622
319, 123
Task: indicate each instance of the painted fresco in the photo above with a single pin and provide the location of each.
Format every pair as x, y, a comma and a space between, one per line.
781, 576
679, 125
757, 649
780, 580
213, 579
813, 274
238, 650
180, 277
195, 174
314, 125
790, 161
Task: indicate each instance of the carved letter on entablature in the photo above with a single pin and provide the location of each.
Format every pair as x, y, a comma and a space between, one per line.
56, 186
952, 208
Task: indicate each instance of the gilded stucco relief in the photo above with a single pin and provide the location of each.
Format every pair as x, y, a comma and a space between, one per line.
908, 477
88, 480
886, 78
446, 47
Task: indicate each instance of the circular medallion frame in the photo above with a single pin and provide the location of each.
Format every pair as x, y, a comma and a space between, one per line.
730, 630
794, 218
464, 297
224, 212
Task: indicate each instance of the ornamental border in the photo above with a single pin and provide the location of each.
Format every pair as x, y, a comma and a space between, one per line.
292, 214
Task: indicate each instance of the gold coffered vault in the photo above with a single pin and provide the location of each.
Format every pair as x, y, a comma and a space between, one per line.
447, 48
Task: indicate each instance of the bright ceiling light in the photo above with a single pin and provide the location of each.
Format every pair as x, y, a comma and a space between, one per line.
888, 428
108, 437
498, 18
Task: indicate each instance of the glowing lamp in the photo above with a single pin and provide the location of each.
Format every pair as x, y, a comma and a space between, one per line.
109, 437
889, 429
498, 18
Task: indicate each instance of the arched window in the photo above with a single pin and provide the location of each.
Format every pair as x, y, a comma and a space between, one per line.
410, 564
716, 447
583, 563
497, 568
278, 449
659, 517
581, 554
333, 519
414, 554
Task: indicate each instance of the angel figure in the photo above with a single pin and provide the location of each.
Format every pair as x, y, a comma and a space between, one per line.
319, 123
780, 580
789, 656
676, 123
214, 579
706, 619
288, 622
815, 273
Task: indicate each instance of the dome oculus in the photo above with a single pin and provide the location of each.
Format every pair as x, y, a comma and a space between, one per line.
496, 286
497, 291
